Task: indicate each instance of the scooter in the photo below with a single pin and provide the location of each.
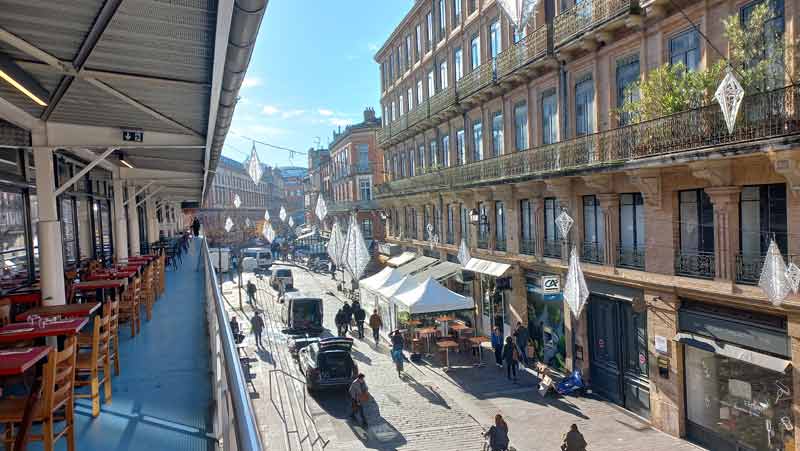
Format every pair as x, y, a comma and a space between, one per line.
572, 384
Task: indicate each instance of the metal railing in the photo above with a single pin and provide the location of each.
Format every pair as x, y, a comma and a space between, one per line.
500, 244
527, 247
552, 248
483, 242
475, 80
526, 50
586, 15
630, 257
234, 418
591, 252
748, 267
765, 115
693, 263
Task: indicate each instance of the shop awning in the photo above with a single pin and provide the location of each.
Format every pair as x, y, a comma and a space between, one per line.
440, 271
430, 297
398, 287
416, 265
386, 277
734, 352
487, 267
401, 259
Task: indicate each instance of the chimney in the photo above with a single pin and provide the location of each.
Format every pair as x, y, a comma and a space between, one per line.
369, 115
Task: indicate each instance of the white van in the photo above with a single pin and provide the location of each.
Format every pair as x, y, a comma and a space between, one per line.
262, 255
220, 258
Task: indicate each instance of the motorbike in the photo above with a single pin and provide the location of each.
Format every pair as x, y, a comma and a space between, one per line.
572, 384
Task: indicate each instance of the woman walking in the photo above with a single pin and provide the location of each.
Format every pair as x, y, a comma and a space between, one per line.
511, 358
497, 345
498, 434
397, 350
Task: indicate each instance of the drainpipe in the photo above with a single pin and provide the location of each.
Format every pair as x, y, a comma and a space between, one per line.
562, 85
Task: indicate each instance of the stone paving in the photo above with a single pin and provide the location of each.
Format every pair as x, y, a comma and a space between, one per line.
426, 409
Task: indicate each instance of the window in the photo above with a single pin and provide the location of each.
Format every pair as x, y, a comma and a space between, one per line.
458, 63
475, 52
461, 151
763, 217
499, 226
68, 234
411, 164
400, 67
421, 156
394, 111
408, 52
363, 156
472, 6
365, 189
443, 74
419, 92
446, 151
437, 220
477, 141
450, 225
593, 230
497, 133
483, 226
631, 231
549, 118
419, 42
627, 76
518, 34
442, 20
521, 125
429, 30
410, 93
526, 231
552, 237
584, 107
403, 165
414, 224
431, 83
685, 49
456, 12
464, 222
773, 35
495, 43
389, 65
696, 220
402, 103
433, 159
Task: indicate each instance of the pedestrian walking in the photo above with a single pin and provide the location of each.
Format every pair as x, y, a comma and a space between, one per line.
196, 227
375, 323
497, 345
360, 315
348, 317
511, 358
238, 337
498, 434
332, 269
251, 292
359, 394
398, 343
521, 334
339, 319
257, 324
573, 440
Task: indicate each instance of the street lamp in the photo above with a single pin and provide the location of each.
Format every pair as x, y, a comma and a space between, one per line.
474, 216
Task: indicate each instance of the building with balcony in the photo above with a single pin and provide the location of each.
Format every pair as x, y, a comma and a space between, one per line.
314, 183
293, 192
489, 133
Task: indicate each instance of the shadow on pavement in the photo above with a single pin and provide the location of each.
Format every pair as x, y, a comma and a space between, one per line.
425, 391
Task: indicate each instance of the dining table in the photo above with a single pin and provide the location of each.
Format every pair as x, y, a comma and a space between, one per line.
17, 332
427, 332
16, 362
447, 344
112, 274
116, 286
64, 311
478, 342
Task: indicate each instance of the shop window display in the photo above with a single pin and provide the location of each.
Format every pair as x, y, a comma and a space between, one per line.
734, 405
546, 326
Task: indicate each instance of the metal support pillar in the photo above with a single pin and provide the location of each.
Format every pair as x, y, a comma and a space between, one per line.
121, 225
133, 218
51, 259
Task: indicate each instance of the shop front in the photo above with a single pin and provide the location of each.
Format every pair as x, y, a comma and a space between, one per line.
495, 292
737, 378
546, 319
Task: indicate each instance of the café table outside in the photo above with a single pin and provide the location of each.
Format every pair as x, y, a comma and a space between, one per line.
478, 342
15, 362
66, 311
427, 332
16, 332
113, 274
447, 344
115, 285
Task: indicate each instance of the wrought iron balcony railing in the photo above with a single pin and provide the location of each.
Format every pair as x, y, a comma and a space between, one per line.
591, 252
552, 248
526, 50
483, 242
500, 245
587, 15
630, 257
695, 264
765, 115
477, 79
442, 100
350, 206
748, 267
527, 247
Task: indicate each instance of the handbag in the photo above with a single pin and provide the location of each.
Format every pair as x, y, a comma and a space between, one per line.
363, 396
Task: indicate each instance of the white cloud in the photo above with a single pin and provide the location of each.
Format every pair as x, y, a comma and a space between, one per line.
324, 112
270, 110
340, 121
251, 82
292, 114
373, 46
259, 131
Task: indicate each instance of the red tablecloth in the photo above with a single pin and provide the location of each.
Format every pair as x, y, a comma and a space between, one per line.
23, 331
65, 311
25, 298
91, 285
107, 275
18, 361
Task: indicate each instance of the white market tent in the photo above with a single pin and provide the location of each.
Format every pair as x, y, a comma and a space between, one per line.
384, 303
431, 297
401, 259
369, 287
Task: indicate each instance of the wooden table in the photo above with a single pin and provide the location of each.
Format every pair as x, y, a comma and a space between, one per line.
25, 297
427, 332
17, 332
66, 310
447, 344
112, 274
116, 285
15, 362
477, 341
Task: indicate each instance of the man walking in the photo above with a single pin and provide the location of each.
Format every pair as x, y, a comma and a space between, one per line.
359, 314
359, 394
251, 292
497, 346
257, 324
375, 323
521, 334
348, 317
339, 320
196, 227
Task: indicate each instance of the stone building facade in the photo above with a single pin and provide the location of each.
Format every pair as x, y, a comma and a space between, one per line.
489, 133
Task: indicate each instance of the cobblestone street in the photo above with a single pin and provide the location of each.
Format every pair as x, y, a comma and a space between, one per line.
426, 409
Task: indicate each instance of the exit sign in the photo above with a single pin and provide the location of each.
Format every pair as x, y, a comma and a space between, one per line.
133, 135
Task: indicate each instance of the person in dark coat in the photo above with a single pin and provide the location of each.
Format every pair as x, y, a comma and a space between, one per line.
522, 337
376, 323
257, 324
511, 358
573, 440
238, 337
498, 434
251, 292
339, 319
497, 345
348, 317
360, 315
196, 227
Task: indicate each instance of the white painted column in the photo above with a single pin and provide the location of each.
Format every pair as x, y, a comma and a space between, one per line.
120, 223
133, 217
152, 225
51, 259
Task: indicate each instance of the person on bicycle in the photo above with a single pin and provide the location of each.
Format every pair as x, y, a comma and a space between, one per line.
498, 434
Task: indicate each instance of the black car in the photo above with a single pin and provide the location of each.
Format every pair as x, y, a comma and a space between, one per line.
327, 364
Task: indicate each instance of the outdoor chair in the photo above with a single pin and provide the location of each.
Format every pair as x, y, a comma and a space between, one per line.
93, 358
113, 344
129, 307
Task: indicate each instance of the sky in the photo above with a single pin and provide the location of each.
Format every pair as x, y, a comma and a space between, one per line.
312, 71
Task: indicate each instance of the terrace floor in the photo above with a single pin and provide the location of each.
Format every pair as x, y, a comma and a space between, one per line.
162, 397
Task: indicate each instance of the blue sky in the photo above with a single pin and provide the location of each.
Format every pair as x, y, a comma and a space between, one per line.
312, 70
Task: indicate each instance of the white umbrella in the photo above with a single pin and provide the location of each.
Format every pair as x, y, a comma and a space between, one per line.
322, 209
774, 280
228, 224
254, 166
463, 253
282, 214
356, 254
575, 290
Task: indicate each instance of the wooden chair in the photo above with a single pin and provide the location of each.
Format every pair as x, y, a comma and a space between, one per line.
148, 295
58, 382
129, 306
5, 311
92, 359
113, 344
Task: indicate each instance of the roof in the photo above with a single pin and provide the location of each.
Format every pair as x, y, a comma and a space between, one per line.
401, 259
155, 80
440, 271
416, 265
486, 267
430, 296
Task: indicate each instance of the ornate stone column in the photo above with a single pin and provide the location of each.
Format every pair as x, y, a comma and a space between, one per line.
659, 217
726, 230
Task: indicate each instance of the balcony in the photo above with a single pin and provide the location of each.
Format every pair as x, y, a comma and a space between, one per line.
500, 244
552, 248
591, 16
483, 242
748, 267
696, 264
591, 252
631, 257
476, 80
527, 247
767, 115
351, 206
526, 50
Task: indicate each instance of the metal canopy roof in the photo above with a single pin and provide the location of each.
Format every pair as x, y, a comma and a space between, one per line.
171, 69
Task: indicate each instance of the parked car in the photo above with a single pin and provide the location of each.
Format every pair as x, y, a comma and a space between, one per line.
282, 276
327, 363
262, 255
298, 342
302, 314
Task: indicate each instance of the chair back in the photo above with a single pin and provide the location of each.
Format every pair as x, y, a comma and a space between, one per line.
5, 311
65, 374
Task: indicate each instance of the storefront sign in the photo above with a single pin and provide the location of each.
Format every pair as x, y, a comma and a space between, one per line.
737, 331
661, 344
551, 284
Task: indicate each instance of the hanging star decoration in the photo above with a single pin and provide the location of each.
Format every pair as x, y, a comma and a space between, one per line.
266, 215
775, 279
463, 253
520, 12
322, 209
433, 238
564, 222
575, 289
291, 222
228, 224
729, 95
247, 223
254, 166
282, 214
237, 202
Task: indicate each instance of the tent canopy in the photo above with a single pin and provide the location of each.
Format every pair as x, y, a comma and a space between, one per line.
401, 259
431, 296
487, 267
398, 287
417, 264
387, 276
440, 271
